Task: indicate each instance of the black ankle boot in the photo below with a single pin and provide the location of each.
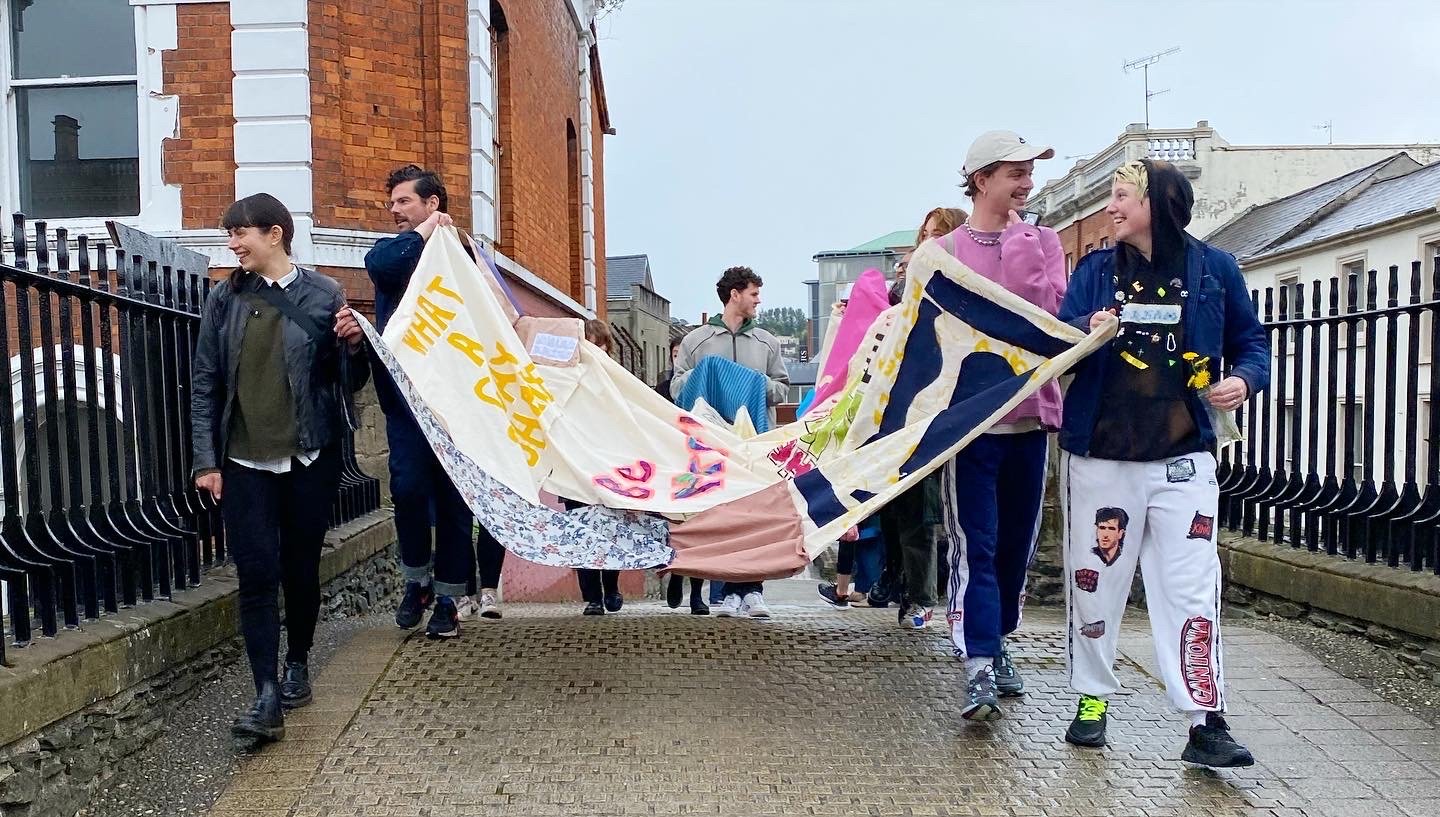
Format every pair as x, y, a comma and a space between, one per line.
295, 689
674, 591
265, 721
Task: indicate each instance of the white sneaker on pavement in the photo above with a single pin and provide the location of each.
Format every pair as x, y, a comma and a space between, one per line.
730, 607
754, 606
467, 608
917, 617
489, 604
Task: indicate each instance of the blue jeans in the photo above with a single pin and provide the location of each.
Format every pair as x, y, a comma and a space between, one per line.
869, 561
425, 499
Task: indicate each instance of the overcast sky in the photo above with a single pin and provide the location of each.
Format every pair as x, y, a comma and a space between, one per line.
761, 132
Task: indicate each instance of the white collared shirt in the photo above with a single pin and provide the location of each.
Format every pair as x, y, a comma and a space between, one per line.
283, 464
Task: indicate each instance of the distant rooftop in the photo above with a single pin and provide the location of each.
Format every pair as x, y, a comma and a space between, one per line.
899, 240
1391, 189
624, 271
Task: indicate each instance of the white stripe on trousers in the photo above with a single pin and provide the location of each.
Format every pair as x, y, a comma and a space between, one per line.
959, 559
1170, 533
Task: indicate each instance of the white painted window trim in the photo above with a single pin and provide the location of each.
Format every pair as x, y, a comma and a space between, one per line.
157, 118
484, 109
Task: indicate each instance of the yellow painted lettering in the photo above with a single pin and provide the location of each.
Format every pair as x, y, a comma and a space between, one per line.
439, 288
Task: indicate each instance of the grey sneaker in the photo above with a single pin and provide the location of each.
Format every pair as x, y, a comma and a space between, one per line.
982, 704
1007, 679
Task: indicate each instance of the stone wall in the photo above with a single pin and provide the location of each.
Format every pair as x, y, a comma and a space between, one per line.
54, 771
1415, 656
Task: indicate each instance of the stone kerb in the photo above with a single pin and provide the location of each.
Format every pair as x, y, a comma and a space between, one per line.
55, 678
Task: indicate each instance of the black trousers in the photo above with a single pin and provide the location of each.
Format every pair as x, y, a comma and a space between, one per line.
595, 585
275, 526
489, 558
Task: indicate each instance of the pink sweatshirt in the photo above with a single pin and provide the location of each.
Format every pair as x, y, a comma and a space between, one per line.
1028, 261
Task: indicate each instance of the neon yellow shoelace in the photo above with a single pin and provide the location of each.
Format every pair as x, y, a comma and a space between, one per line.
1092, 709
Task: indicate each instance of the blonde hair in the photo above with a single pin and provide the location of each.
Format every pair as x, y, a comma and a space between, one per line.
1134, 173
949, 218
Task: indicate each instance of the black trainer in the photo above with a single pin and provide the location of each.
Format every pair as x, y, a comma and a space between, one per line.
413, 605
593, 608
295, 690
1007, 679
675, 591
265, 721
613, 602
1211, 745
828, 592
445, 621
1088, 728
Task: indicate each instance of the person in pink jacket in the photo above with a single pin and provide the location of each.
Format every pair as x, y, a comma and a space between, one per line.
993, 488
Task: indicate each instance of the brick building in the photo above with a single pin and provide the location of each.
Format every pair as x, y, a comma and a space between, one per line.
161, 112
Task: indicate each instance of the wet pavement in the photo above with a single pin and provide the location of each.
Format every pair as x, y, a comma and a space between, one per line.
816, 711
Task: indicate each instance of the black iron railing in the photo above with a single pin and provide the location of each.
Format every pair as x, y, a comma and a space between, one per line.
100, 512
1326, 464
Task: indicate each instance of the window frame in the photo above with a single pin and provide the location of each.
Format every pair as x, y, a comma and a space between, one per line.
10, 201
1343, 267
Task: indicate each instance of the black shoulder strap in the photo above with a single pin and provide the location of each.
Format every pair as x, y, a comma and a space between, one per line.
275, 296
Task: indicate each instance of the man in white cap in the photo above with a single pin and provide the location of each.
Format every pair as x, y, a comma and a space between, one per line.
993, 488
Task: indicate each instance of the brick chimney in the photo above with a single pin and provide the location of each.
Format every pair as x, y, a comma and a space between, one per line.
67, 138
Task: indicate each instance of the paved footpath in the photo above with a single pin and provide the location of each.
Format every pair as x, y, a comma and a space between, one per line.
816, 711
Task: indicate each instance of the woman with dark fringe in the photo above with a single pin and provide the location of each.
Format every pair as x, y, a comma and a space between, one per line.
278, 357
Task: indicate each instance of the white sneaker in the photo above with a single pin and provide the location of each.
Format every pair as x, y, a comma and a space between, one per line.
730, 607
467, 607
489, 604
754, 606
917, 617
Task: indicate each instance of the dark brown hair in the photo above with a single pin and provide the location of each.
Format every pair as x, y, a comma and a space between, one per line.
262, 211
736, 278
427, 183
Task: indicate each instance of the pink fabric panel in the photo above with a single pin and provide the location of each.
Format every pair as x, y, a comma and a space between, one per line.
751, 539
868, 298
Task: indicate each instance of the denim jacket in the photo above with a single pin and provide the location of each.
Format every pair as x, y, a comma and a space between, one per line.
1220, 323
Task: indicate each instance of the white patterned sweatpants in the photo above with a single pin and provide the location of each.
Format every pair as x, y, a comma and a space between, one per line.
1161, 516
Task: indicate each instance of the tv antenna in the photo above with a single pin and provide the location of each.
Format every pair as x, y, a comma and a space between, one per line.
1329, 127
1144, 64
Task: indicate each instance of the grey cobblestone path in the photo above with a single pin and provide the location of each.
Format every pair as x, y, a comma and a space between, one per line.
817, 711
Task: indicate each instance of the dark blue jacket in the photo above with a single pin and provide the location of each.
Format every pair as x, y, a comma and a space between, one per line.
390, 264
1220, 322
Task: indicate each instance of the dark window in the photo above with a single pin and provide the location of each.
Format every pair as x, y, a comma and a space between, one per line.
76, 107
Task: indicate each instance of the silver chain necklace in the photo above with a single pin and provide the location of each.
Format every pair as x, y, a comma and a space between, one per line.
984, 242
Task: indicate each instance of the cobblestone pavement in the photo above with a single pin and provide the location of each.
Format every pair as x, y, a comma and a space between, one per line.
816, 711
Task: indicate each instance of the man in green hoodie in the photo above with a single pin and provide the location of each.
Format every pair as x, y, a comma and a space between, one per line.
734, 335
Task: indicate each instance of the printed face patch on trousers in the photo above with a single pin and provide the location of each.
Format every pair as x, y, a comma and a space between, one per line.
1202, 527
1196, 664
1094, 629
1181, 470
1087, 579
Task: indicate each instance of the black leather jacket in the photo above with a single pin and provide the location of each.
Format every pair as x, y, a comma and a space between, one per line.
314, 368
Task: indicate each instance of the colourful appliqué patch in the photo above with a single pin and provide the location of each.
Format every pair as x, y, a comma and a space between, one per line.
1087, 579
1202, 527
1094, 629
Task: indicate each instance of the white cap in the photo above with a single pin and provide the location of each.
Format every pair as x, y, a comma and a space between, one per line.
1001, 146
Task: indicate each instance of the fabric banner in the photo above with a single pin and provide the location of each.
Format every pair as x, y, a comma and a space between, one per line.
668, 487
